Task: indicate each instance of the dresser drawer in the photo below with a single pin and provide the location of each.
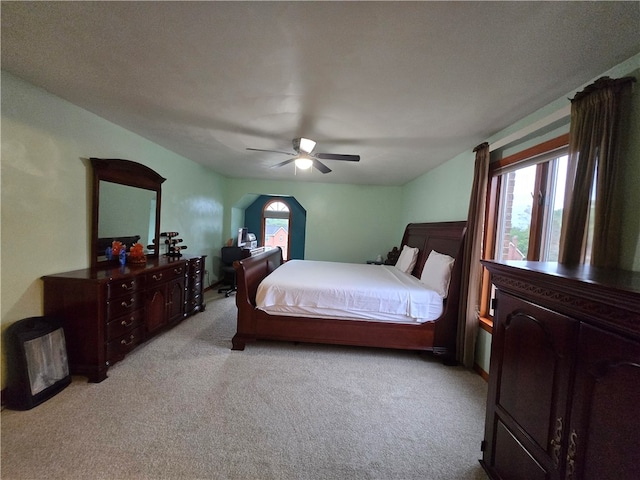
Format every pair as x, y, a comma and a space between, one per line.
124, 286
196, 264
195, 301
121, 325
195, 285
119, 347
166, 274
195, 276
124, 305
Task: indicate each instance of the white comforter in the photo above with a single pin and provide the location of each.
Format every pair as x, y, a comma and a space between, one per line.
347, 290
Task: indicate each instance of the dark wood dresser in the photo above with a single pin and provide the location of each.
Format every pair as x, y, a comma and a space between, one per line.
564, 381
195, 285
107, 311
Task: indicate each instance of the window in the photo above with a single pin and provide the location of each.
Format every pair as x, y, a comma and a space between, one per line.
525, 201
530, 210
275, 226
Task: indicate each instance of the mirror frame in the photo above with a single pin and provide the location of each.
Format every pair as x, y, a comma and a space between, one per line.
123, 172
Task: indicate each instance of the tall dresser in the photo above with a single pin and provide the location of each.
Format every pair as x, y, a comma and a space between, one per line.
564, 381
107, 311
195, 283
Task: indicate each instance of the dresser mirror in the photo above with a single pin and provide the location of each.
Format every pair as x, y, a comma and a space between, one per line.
126, 207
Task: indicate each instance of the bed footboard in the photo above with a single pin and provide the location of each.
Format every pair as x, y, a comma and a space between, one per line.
249, 273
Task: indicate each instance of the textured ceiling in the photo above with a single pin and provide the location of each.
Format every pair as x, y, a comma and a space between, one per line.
406, 85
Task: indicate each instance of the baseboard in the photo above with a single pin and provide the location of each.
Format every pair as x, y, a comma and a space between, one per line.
478, 369
213, 286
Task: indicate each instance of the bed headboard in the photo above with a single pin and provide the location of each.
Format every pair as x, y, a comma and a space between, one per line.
447, 238
443, 237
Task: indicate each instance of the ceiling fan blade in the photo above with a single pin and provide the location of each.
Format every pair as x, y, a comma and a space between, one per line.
271, 151
320, 166
282, 164
337, 156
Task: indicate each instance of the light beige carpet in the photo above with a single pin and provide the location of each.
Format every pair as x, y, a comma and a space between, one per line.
184, 406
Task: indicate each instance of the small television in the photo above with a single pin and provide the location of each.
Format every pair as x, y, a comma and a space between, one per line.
243, 233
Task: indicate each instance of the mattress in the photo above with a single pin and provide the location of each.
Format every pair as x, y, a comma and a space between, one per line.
309, 288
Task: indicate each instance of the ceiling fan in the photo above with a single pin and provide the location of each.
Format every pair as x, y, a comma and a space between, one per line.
304, 159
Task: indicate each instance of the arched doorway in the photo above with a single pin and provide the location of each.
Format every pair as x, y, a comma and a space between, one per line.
276, 221
253, 220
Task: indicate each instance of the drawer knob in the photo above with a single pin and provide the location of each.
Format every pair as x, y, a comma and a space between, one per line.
157, 276
128, 305
130, 342
124, 323
177, 271
128, 287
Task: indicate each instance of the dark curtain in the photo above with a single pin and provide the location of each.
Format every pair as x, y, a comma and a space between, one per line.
471, 267
594, 137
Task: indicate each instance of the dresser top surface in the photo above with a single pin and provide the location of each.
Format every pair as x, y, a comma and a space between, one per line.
110, 272
620, 280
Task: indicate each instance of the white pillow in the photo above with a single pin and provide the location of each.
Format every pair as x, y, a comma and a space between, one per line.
436, 273
407, 259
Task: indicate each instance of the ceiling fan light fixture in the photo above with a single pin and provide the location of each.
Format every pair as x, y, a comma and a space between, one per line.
303, 162
303, 159
306, 145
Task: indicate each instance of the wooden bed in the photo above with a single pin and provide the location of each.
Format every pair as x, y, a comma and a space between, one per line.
438, 336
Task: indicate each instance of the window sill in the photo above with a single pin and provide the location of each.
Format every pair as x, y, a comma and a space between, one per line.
486, 324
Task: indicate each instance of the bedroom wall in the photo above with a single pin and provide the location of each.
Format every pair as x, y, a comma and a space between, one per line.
442, 194
46, 192
630, 234
345, 223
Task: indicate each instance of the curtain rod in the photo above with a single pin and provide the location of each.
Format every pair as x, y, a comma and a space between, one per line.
535, 126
